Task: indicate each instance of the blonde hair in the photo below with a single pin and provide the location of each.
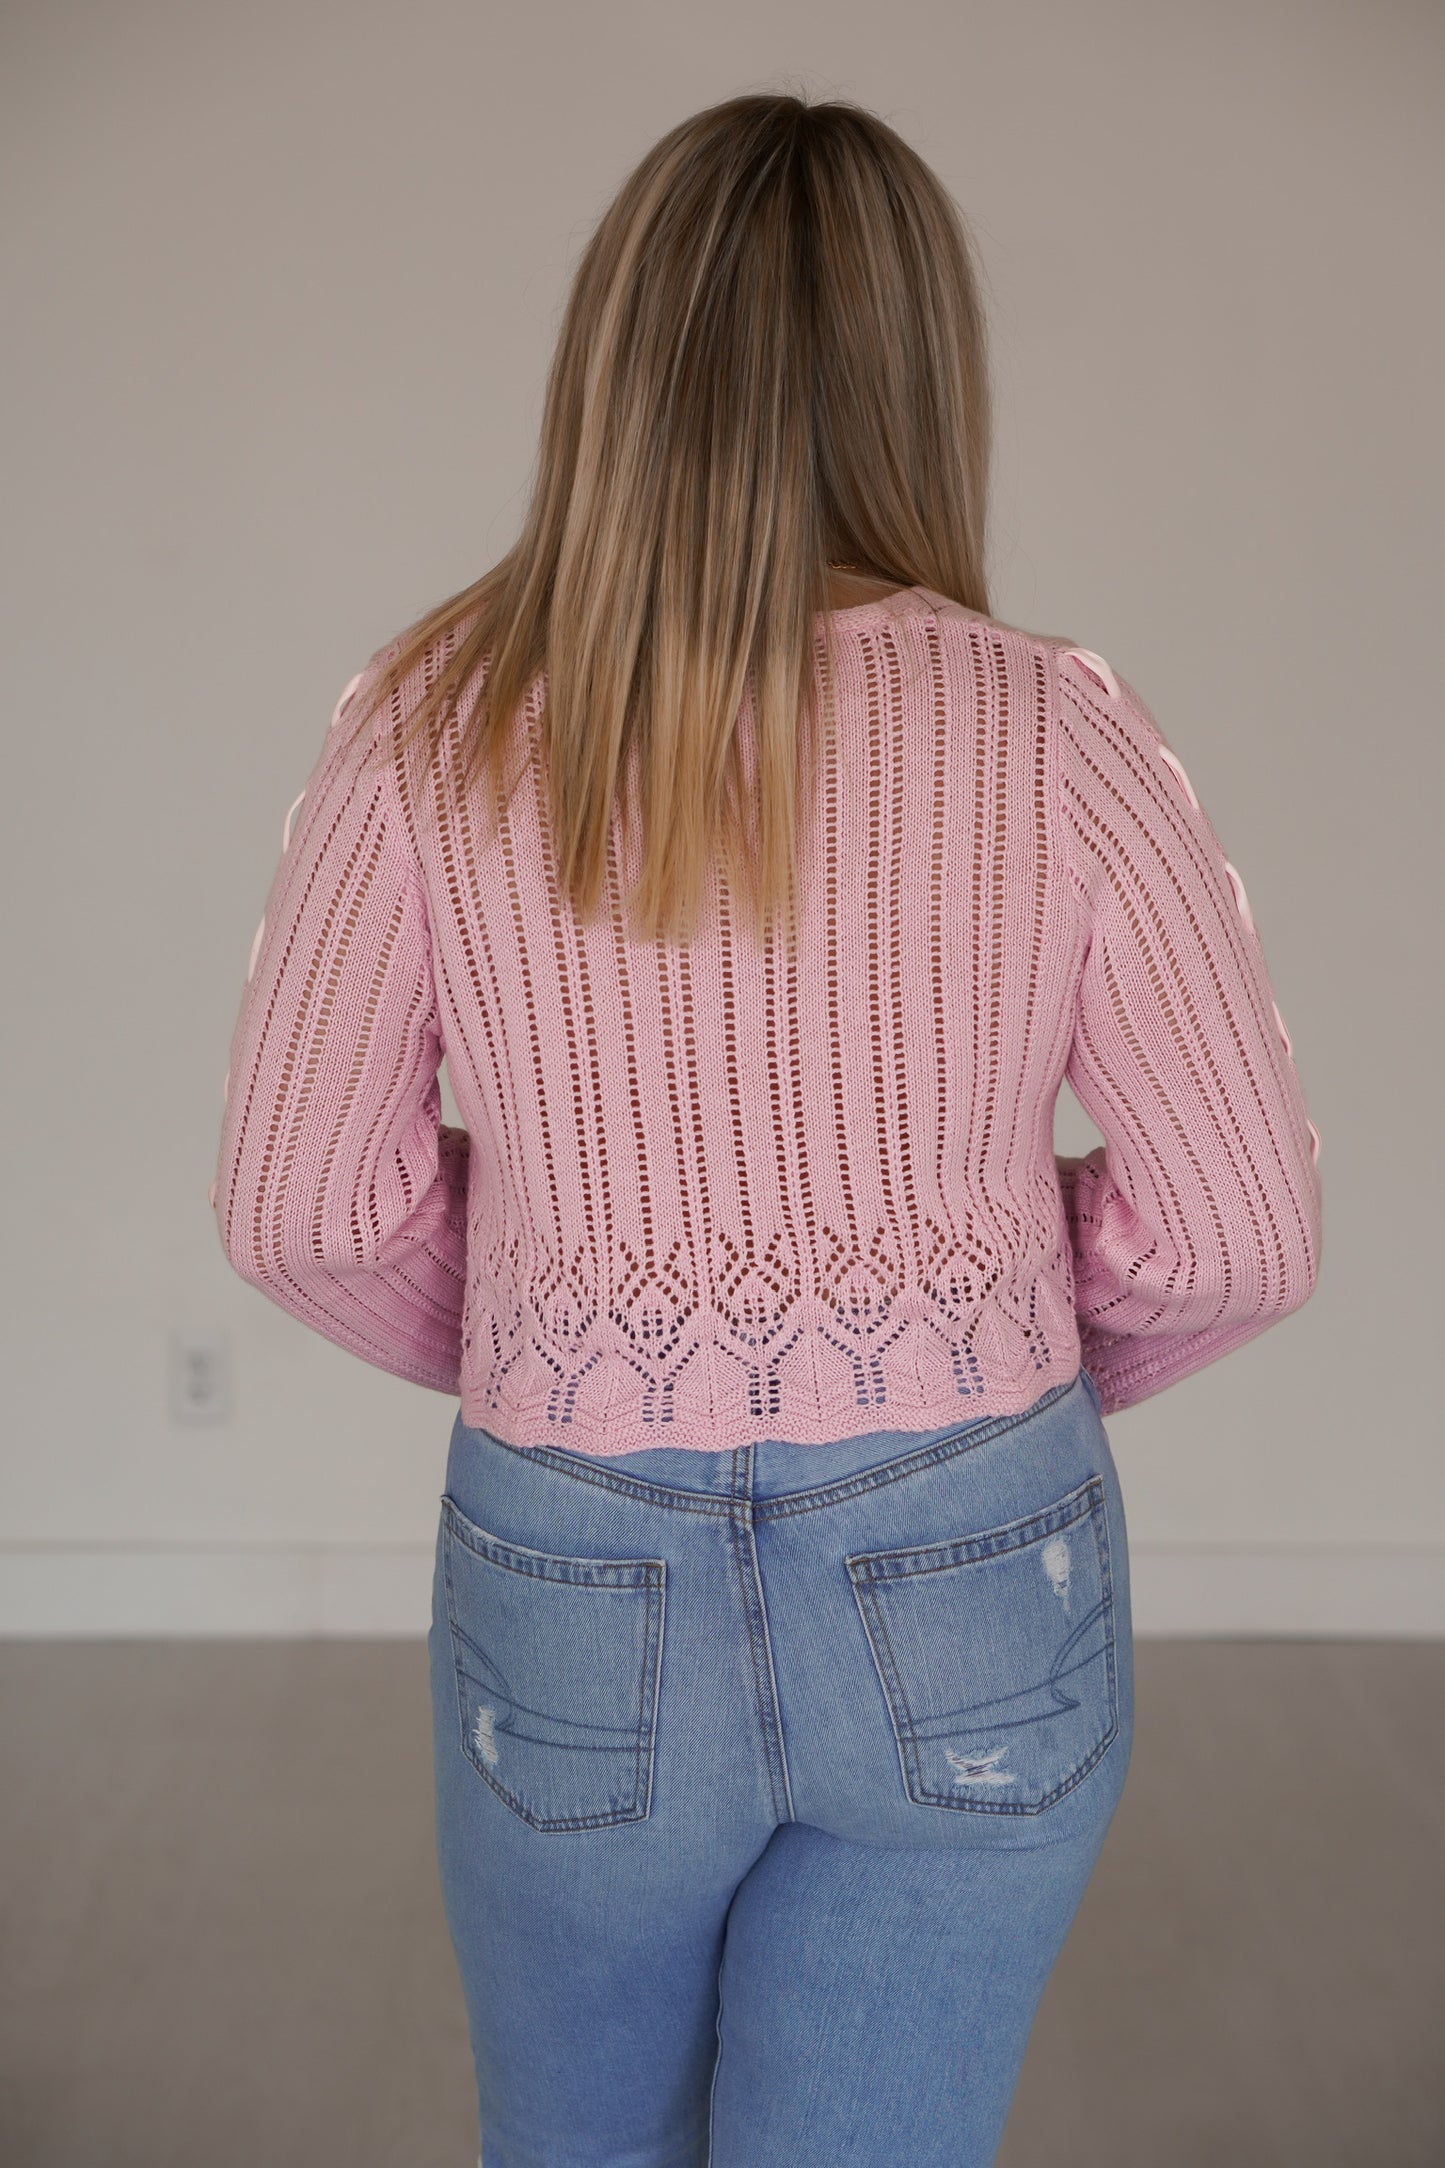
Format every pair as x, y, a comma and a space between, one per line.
772, 358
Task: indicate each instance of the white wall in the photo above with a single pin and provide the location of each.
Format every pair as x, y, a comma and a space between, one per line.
283, 284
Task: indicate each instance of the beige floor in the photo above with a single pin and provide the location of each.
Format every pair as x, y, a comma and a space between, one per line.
222, 1944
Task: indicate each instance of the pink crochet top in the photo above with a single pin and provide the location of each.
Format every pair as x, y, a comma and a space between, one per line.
712, 1193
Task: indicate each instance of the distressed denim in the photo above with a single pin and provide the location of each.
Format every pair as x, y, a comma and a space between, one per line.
768, 1782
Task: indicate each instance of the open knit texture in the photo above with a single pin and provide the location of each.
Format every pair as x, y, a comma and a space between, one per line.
711, 1193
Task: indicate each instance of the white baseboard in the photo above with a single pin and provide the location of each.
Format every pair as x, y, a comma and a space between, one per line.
108, 1591
1337, 1592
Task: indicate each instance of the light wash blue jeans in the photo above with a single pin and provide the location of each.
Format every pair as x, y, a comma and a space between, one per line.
768, 1782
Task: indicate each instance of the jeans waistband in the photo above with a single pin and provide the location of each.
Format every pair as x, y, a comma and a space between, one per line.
774, 1467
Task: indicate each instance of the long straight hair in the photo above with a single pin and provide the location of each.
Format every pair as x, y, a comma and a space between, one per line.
772, 359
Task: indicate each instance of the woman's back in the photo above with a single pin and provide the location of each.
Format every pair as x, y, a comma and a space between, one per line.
709, 1191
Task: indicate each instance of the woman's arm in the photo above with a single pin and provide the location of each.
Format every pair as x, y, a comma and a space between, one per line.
1197, 1223
339, 1192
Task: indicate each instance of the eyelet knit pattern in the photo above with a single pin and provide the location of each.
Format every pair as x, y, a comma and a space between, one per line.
712, 1192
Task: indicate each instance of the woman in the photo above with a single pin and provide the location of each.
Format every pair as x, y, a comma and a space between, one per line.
761, 887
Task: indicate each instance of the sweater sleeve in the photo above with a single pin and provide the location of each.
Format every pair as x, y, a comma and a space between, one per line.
339, 1193
1197, 1223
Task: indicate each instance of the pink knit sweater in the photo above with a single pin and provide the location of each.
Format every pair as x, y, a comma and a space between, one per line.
707, 1193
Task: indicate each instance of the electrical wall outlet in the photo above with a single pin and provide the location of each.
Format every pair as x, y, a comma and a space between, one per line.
200, 1375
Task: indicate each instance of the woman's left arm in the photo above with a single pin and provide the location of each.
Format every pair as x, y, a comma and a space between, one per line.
339, 1192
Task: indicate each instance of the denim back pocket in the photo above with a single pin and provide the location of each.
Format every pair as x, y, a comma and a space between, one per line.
996, 1655
557, 1665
